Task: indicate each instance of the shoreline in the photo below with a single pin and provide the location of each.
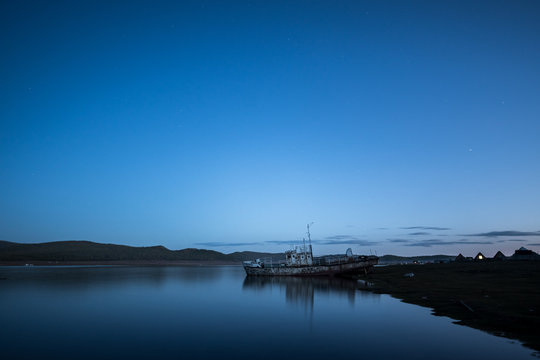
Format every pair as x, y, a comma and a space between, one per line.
499, 297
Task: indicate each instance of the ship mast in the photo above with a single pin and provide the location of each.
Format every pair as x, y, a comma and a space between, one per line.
304, 259
309, 238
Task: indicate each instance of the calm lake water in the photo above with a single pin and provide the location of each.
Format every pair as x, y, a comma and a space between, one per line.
216, 312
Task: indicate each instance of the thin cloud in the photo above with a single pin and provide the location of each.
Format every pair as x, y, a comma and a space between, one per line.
218, 244
357, 242
341, 237
438, 242
398, 240
425, 228
330, 240
420, 233
345, 240
284, 242
507, 233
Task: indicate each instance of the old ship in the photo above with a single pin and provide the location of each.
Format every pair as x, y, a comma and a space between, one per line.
301, 262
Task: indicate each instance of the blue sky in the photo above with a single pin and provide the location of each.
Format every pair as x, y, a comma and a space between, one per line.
230, 125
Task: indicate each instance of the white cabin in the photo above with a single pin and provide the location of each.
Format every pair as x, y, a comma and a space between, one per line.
301, 255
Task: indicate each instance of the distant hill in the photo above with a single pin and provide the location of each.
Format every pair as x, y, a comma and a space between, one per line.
394, 259
91, 251
5, 243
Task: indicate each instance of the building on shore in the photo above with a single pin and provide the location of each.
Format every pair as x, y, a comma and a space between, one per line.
479, 256
460, 258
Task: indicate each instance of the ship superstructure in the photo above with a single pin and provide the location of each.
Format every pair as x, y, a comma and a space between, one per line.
301, 255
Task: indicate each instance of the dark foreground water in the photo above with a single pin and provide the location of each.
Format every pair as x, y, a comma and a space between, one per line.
215, 312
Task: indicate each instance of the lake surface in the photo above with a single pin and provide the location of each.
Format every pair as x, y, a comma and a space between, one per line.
216, 312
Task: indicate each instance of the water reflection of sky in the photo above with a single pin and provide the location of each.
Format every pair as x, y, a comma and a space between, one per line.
209, 312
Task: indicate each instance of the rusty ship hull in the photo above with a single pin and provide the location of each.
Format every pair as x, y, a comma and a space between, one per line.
350, 267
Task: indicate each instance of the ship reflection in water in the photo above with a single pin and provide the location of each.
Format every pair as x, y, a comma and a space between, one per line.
301, 291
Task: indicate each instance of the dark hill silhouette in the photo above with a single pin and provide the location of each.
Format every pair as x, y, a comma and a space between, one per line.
91, 251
